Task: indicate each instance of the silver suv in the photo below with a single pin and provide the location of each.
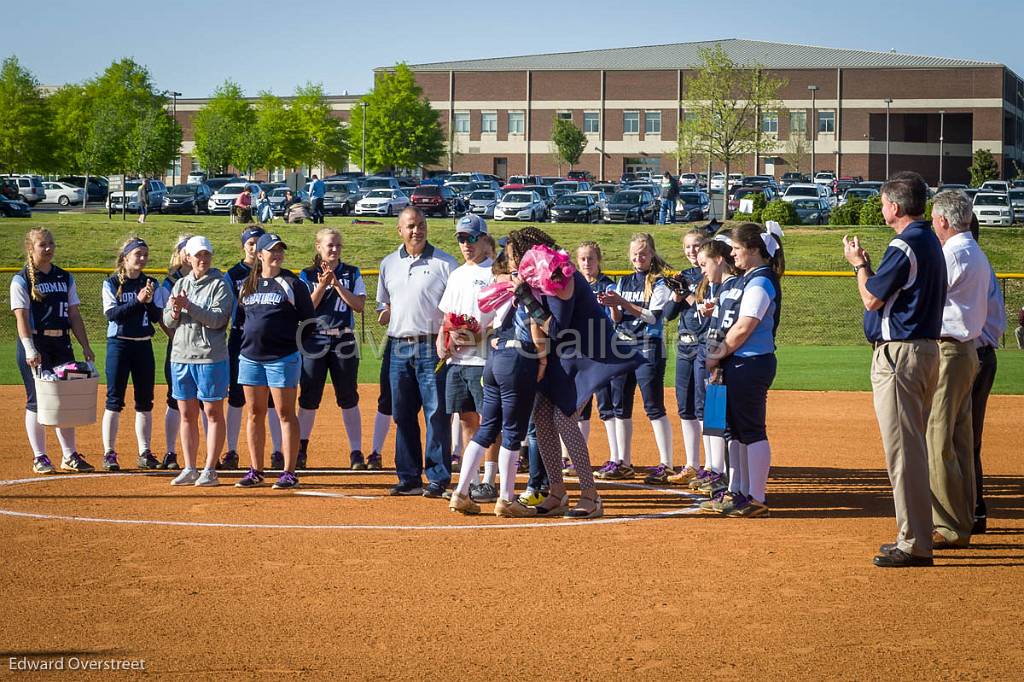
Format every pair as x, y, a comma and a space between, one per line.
30, 188
154, 200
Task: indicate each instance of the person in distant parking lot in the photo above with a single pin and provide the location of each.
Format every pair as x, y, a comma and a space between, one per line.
317, 189
669, 195
143, 200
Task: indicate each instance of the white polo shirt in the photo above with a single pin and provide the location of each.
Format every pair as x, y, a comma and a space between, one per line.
461, 297
968, 275
413, 287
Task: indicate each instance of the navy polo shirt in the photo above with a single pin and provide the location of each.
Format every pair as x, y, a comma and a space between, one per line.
911, 279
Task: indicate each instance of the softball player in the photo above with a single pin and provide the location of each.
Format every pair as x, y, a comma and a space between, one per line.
176, 269
45, 303
337, 291
746, 356
235, 278
277, 306
128, 303
636, 305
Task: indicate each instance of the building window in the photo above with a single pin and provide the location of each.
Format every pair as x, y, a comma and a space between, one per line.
489, 122
565, 115
196, 166
631, 122
174, 170
516, 122
591, 122
652, 122
461, 121
689, 118
770, 122
826, 121
278, 175
798, 122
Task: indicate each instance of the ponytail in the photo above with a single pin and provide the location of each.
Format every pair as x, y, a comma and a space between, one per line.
30, 268
253, 280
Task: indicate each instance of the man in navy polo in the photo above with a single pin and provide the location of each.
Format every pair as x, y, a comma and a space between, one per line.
903, 304
412, 281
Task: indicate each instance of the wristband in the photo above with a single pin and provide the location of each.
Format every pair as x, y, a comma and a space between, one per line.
30, 348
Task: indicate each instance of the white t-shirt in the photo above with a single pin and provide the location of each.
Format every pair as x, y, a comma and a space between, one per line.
461, 297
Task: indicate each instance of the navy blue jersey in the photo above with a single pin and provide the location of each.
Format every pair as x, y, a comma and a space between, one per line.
631, 287
602, 285
728, 296
692, 322
126, 317
761, 299
58, 291
273, 314
235, 278
332, 311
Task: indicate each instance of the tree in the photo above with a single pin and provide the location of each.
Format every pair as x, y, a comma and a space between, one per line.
24, 120
724, 102
402, 129
983, 167
796, 150
152, 142
569, 141
218, 127
325, 141
689, 147
277, 127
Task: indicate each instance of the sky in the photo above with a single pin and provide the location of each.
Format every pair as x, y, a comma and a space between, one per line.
193, 46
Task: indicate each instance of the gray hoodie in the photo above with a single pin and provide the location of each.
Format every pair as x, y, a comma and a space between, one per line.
200, 335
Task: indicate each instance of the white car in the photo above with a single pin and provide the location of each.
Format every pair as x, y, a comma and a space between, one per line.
735, 179
993, 208
1000, 186
824, 178
382, 202
804, 190
521, 206
224, 198
599, 197
62, 193
196, 178
717, 182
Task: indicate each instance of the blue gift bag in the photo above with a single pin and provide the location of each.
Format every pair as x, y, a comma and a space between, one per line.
714, 410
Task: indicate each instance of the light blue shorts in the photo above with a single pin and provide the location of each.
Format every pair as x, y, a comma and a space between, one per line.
281, 373
205, 382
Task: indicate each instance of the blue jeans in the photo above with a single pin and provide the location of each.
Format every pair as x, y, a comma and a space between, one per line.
415, 385
538, 474
667, 212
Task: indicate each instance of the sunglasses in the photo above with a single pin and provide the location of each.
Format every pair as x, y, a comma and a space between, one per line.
467, 238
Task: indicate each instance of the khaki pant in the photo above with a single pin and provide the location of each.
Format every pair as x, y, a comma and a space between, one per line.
951, 442
903, 378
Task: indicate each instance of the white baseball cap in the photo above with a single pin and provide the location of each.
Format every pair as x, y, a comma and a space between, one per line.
196, 244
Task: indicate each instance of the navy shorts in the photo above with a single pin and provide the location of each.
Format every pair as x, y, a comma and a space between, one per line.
339, 358
605, 408
650, 377
510, 386
464, 388
171, 402
135, 358
691, 381
747, 381
384, 399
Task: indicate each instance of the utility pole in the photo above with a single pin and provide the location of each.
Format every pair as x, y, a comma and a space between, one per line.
888, 101
362, 161
814, 127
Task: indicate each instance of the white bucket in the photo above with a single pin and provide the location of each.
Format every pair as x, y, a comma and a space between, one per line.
66, 403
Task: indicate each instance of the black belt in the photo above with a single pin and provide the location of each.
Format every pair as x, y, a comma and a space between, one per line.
422, 338
950, 339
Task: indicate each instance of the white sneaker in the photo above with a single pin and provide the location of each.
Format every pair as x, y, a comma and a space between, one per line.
186, 477
207, 479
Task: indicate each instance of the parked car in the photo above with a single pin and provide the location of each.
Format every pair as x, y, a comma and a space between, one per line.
154, 197
14, 208
717, 182
188, 198
218, 181
606, 187
62, 193
844, 183
812, 211
804, 190
460, 188
340, 196
627, 177
520, 181
483, 202
224, 198
792, 178
748, 193
1017, 201
761, 181
276, 198
954, 185
521, 205
862, 193
1001, 186
735, 180
195, 177
379, 182
993, 208
463, 177
871, 184
971, 192
546, 194
382, 202
1019, 182
482, 184
689, 179
631, 206
97, 185
346, 175
575, 208
581, 175
30, 188
570, 187
435, 200
692, 206
600, 198
824, 178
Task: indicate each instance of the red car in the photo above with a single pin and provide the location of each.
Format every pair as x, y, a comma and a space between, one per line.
436, 200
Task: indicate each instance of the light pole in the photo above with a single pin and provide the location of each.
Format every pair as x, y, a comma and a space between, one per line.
888, 101
362, 161
814, 126
174, 114
942, 126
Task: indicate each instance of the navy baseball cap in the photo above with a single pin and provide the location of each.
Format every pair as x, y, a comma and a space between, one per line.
268, 241
471, 224
252, 232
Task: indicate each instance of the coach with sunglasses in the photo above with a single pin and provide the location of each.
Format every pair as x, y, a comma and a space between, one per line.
412, 281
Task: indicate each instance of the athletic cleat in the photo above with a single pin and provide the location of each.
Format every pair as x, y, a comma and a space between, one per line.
485, 492
531, 498
659, 475
710, 504
148, 461
373, 462
287, 480
251, 479
170, 461
619, 471
605, 468
277, 460
208, 479
713, 484
463, 504
523, 463
749, 508
567, 468
684, 477
406, 490
434, 491
186, 477
356, 462
42, 465
700, 479
76, 463
513, 510
230, 461
110, 462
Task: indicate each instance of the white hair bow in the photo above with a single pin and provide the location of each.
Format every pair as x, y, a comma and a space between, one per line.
772, 237
724, 238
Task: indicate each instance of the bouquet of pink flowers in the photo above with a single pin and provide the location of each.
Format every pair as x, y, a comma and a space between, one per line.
546, 270
495, 295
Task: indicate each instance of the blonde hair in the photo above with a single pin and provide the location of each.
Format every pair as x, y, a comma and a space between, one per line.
658, 264
321, 234
30, 239
119, 269
177, 256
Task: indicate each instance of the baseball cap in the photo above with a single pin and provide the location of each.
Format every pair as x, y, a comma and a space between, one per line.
471, 224
252, 232
269, 241
196, 244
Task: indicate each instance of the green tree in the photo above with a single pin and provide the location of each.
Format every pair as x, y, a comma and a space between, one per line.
569, 141
72, 116
277, 126
152, 142
325, 141
871, 212
24, 120
402, 129
218, 127
689, 146
983, 168
724, 101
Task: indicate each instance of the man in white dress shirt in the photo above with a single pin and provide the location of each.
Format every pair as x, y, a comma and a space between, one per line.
950, 435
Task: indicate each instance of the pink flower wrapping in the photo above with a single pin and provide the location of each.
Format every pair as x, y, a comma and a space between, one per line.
493, 296
546, 270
